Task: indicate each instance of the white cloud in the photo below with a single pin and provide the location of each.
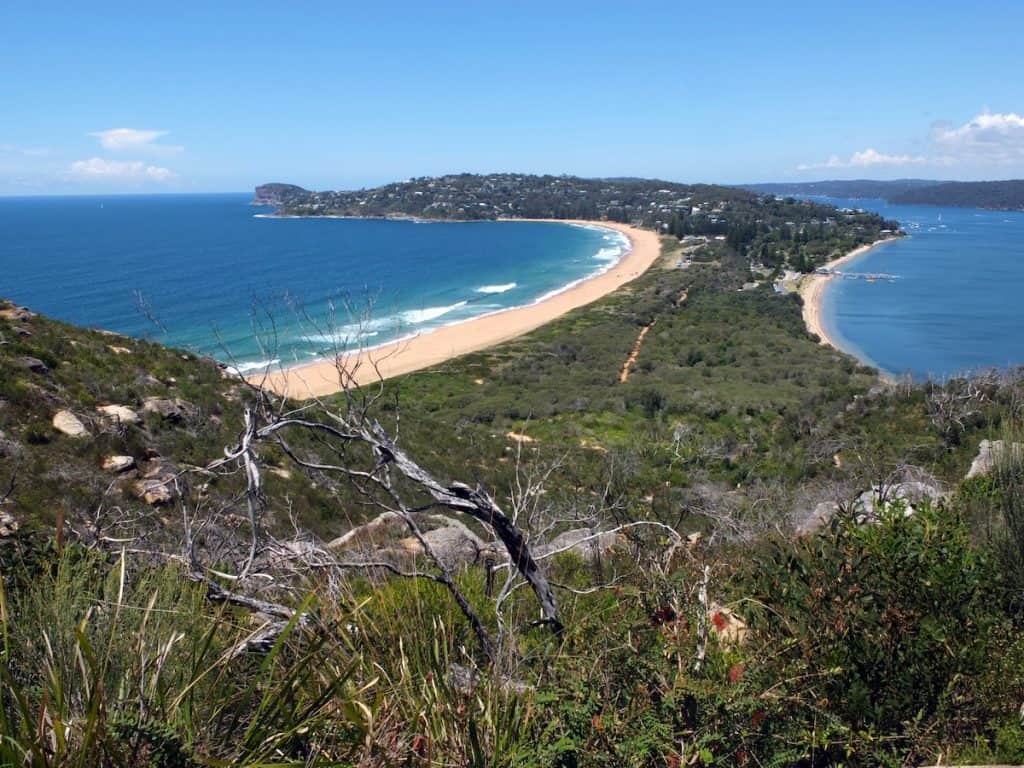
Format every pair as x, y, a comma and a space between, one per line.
158, 173
874, 157
989, 136
864, 159
98, 168
988, 139
134, 139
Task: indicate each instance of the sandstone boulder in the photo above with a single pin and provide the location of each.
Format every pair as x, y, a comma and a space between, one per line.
118, 463
16, 314
67, 423
154, 492
119, 413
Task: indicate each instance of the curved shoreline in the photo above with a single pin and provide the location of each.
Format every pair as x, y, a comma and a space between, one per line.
812, 290
329, 376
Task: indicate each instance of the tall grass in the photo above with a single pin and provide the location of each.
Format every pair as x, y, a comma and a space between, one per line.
106, 663
113, 665
109, 664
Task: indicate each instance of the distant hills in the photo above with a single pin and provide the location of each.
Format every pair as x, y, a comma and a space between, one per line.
993, 195
839, 188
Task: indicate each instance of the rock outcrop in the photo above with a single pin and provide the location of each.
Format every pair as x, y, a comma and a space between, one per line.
582, 542
34, 364
174, 411
157, 484
118, 463
67, 423
989, 453
154, 492
15, 314
8, 524
451, 540
455, 545
119, 413
909, 493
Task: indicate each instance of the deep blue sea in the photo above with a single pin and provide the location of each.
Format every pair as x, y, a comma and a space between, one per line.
955, 303
222, 279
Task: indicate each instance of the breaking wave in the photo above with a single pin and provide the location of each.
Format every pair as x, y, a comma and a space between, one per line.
496, 288
415, 316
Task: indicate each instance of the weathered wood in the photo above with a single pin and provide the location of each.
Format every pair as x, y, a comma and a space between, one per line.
477, 504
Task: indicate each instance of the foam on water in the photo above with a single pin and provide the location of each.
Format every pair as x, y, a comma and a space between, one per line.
503, 288
255, 365
417, 316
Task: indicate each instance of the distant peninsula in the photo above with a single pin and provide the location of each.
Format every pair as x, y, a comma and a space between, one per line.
991, 195
769, 232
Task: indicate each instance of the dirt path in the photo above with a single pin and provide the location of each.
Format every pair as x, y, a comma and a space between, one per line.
635, 353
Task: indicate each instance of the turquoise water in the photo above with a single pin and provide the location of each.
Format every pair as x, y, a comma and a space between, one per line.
955, 303
222, 279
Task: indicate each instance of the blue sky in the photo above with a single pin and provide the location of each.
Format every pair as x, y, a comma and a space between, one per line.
136, 96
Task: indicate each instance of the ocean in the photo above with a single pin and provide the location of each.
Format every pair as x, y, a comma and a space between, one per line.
954, 303
215, 275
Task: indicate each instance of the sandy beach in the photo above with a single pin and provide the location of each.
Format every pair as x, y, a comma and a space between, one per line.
812, 291
328, 376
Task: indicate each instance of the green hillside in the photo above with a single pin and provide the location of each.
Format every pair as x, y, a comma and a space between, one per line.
717, 508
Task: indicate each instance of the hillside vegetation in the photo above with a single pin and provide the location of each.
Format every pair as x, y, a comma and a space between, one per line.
759, 553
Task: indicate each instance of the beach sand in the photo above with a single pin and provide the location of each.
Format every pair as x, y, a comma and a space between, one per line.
812, 291
325, 377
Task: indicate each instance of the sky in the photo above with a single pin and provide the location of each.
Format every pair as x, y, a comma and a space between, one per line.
114, 97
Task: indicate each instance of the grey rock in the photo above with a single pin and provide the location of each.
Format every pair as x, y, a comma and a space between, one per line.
455, 545
989, 453
171, 410
9, 449
909, 493
580, 541
34, 364
8, 524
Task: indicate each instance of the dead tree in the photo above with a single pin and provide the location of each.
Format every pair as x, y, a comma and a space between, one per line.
385, 477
